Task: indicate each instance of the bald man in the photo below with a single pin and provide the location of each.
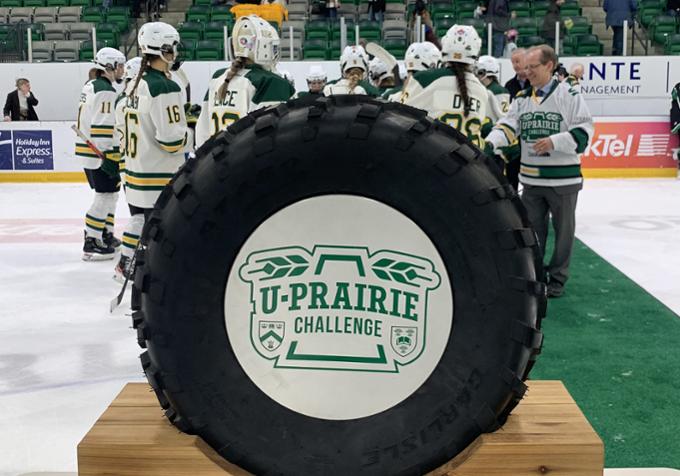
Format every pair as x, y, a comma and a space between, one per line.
575, 76
515, 85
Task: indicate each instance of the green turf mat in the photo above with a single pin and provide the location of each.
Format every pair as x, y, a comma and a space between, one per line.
617, 350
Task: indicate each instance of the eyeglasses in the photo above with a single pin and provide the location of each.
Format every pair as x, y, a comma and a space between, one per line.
534, 66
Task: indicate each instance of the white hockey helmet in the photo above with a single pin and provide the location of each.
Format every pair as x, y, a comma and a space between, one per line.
378, 71
316, 73
354, 57
287, 75
255, 39
132, 67
461, 44
488, 66
156, 38
108, 59
422, 56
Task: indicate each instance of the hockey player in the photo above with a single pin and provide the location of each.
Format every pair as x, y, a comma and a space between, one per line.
488, 70
381, 78
316, 80
131, 69
96, 121
452, 93
249, 83
554, 126
155, 131
354, 67
418, 57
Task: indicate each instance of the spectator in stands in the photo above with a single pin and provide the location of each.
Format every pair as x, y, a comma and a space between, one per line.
425, 19
510, 43
673, 8
618, 11
376, 10
20, 103
549, 20
332, 9
498, 14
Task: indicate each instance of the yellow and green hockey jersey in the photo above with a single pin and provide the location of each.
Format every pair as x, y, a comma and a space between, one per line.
155, 135
96, 121
252, 88
437, 92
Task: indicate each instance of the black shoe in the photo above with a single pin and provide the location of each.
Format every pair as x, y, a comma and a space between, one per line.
96, 250
110, 240
555, 290
124, 270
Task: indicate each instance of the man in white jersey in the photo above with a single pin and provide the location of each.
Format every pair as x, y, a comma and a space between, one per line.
554, 126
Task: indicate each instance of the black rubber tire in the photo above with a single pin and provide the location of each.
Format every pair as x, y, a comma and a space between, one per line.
341, 145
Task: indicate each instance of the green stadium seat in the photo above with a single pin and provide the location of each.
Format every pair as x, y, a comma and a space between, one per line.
203, 2
221, 13
442, 14
187, 50
80, 3
317, 29
530, 40
525, 26
661, 27
466, 9
92, 15
521, 8
34, 3
478, 23
190, 30
335, 31
57, 3
588, 45
370, 30
198, 13
109, 33
37, 31
672, 44
209, 50
85, 53
316, 49
443, 25
539, 8
5, 29
120, 16
214, 30
570, 9
11, 3
581, 26
442, 8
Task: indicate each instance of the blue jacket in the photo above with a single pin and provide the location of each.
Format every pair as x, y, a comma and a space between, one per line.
618, 11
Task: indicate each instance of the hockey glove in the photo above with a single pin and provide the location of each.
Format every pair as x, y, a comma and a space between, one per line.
110, 164
192, 111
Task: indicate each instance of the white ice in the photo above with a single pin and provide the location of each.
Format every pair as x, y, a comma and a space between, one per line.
63, 357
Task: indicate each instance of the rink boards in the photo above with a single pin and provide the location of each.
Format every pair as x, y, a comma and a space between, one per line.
621, 147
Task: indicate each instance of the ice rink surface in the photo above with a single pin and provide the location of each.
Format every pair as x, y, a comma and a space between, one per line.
63, 357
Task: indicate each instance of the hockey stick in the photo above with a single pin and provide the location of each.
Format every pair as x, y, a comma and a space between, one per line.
115, 302
87, 141
386, 57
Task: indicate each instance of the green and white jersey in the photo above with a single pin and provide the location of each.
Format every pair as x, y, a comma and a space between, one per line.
436, 91
499, 101
252, 88
561, 115
393, 94
155, 135
341, 86
574, 82
96, 120
119, 127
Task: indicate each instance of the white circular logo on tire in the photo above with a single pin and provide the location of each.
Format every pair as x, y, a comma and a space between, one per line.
338, 307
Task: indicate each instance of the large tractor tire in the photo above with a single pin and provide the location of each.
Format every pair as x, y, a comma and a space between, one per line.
341, 288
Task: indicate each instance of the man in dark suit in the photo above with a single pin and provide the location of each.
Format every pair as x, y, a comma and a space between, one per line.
20, 103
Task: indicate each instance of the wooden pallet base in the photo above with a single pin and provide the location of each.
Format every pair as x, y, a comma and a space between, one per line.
546, 434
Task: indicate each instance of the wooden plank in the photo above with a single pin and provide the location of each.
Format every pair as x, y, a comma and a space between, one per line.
546, 434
